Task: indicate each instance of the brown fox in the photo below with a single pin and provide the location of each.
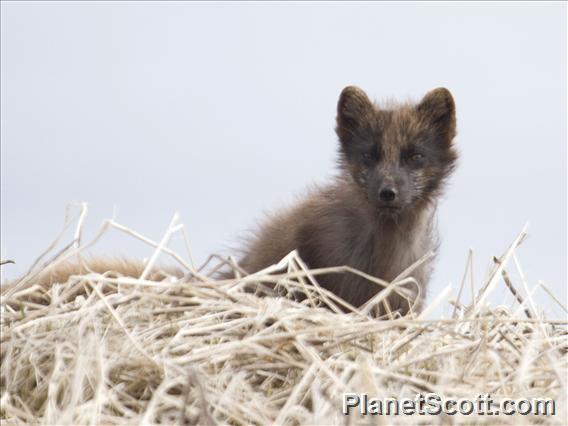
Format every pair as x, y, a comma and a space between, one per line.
378, 214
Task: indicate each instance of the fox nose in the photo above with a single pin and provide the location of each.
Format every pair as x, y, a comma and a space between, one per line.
387, 194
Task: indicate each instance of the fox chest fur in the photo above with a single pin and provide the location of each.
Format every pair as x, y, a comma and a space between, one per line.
378, 214
328, 230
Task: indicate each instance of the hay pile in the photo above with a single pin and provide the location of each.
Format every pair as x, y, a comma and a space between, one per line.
108, 349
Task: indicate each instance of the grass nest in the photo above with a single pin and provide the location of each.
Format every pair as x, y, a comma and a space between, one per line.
177, 346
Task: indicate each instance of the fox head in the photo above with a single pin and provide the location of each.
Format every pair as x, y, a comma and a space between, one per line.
398, 157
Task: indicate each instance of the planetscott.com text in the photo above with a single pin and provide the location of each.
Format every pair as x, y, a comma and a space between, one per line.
433, 404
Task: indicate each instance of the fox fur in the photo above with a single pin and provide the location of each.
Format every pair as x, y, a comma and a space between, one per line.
377, 215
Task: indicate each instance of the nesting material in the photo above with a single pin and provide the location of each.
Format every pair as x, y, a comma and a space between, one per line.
179, 347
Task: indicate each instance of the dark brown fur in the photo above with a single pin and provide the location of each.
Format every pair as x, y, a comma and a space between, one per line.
406, 149
346, 222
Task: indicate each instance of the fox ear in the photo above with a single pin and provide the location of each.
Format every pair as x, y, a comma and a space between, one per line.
354, 113
438, 109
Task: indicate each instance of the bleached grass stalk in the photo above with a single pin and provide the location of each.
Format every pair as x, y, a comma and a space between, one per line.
191, 349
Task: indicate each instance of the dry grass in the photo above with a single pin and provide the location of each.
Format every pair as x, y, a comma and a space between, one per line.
106, 349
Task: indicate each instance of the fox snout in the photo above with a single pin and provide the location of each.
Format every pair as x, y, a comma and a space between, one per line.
387, 194
388, 189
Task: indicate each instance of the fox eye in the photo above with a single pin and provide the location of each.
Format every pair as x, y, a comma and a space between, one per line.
416, 157
366, 157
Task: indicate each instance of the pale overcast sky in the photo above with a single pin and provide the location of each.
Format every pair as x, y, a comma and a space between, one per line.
224, 110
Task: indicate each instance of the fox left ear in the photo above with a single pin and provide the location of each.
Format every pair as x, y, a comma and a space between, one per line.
354, 114
438, 108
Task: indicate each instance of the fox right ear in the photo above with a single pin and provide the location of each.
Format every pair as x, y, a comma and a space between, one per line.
438, 108
354, 113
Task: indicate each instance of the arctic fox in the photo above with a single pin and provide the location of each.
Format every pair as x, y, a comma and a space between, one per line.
376, 216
